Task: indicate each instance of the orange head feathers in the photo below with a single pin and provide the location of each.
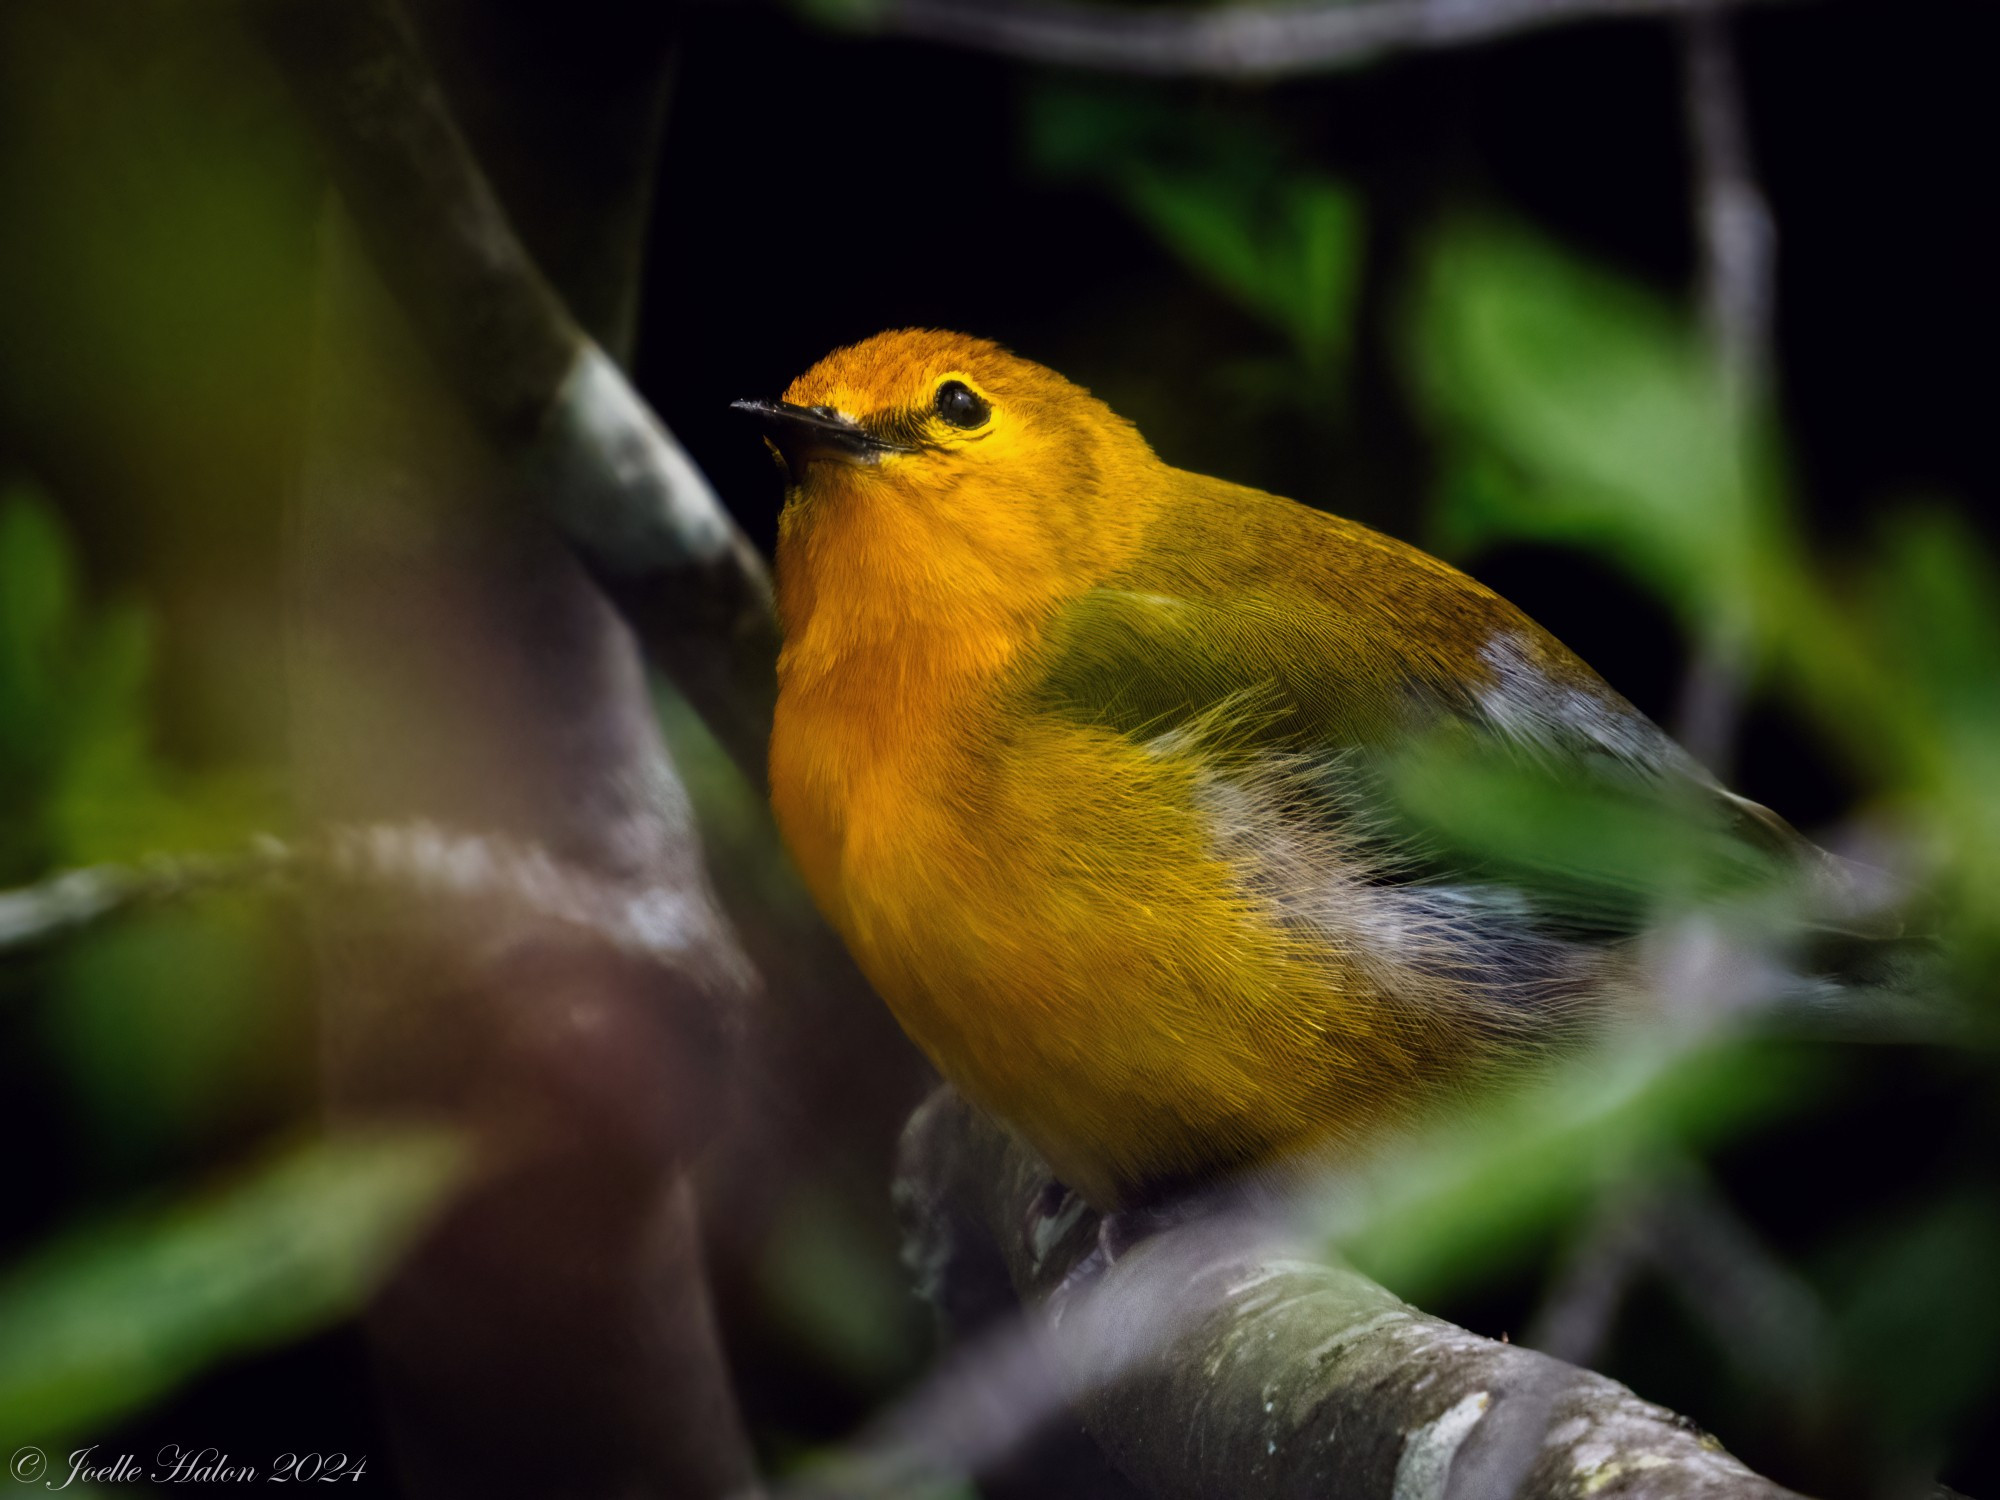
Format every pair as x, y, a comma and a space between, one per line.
947, 476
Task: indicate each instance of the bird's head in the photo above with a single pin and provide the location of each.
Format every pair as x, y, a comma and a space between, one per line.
929, 467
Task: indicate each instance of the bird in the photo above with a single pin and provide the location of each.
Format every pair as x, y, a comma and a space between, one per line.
1111, 776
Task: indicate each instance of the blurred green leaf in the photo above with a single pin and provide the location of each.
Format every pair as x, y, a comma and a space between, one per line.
824, 1274
1574, 408
37, 611
1603, 847
1466, 1202
1281, 240
82, 783
171, 1029
110, 1318
1577, 409
1935, 597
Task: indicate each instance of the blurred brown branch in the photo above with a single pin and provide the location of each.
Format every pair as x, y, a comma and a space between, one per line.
1222, 1357
583, 445
1242, 41
469, 440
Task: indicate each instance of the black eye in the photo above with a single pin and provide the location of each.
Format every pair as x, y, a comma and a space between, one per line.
957, 404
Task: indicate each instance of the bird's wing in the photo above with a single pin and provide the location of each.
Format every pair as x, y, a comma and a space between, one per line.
1420, 727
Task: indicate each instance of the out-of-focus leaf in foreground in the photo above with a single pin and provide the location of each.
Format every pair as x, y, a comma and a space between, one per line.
1574, 408
1935, 601
164, 1027
82, 781
109, 1318
1598, 850
1465, 1202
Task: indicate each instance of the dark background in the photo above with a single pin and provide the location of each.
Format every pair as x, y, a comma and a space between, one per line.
156, 236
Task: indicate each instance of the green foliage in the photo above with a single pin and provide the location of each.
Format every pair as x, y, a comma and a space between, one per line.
161, 1031
822, 1275
160, 1027
109, 1318
1281, 240
1608, 850
1574, 408
166, 1027
1571, 408
1468, 1202
79, 781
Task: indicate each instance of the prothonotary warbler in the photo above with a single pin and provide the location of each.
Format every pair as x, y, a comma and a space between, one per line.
1084, 756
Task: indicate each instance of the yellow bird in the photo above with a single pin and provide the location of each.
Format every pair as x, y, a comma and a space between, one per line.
1092, 763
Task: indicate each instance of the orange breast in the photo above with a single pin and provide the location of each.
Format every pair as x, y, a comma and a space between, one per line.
1043, 908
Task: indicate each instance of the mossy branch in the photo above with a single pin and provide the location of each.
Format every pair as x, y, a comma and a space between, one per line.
1222, 1358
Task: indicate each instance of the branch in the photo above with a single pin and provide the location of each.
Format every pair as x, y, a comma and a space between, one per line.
74, 900
494, 877
1738, 273
581, 442
1738, 235
1248, 41
1575, 1319
1220, 1358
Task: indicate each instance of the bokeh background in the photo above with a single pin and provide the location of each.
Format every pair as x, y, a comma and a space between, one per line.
1452, 295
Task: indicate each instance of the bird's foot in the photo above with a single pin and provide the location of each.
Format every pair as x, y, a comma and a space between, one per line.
1052, 1217
1117, 1234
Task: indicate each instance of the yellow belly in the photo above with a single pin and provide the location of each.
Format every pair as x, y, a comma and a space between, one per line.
1051, 923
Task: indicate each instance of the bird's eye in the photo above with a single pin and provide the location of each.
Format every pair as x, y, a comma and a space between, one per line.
958, 405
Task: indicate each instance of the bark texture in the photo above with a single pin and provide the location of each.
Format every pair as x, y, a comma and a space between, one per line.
455, 665
1221, 1358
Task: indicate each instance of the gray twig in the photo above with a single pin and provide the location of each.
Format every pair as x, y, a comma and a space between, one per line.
74, 900
489, 872
1240, 41
1763, 1314
1678, 1227
1738, 236
1738, 243
584, 446
1575, 1319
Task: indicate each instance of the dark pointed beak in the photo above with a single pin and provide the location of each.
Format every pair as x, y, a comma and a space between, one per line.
803, 433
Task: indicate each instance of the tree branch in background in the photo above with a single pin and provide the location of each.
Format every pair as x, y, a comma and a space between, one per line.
497, 880
1738, 247
1738, 237
1759, 1311
1676, 1226
1246, 41
75, 900
583, 444
452, 663
1576, 1317
1221, 1358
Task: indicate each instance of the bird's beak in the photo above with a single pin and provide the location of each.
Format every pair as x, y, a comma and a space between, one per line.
803, 433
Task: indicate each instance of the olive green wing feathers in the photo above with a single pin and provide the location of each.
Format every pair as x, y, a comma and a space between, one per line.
1451, 743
